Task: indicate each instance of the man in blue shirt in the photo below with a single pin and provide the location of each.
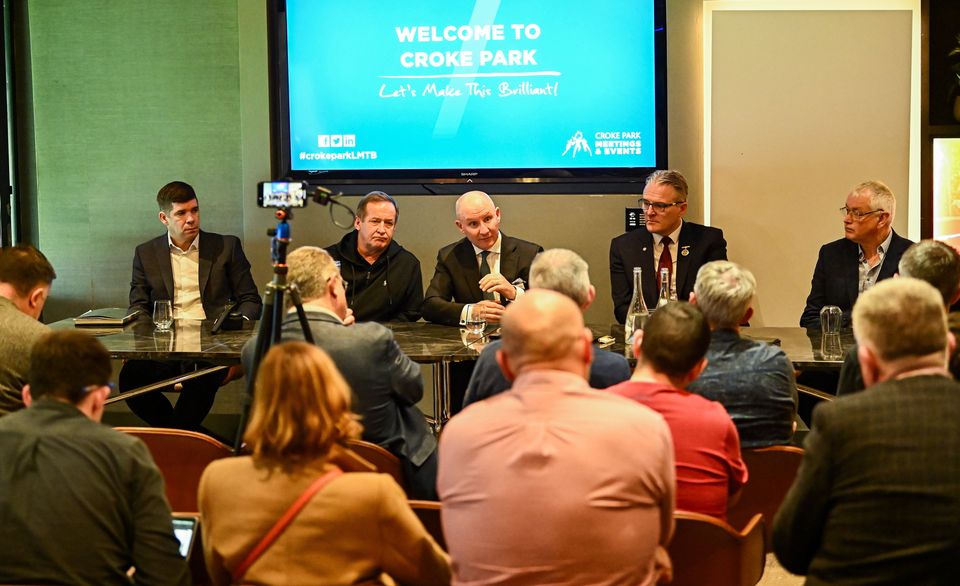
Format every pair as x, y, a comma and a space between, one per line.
753, 380
563, 271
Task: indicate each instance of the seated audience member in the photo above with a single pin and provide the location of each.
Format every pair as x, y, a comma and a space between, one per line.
563, 271
386, 383
356, 527
383, 278
667, 242
928, 260
80, 503
483, 271
877, 497
25, 279
868, 252
706, 447
554, 482
200, 273
753, 380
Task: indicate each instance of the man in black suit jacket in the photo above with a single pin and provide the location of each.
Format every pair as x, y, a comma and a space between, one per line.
869, 252
386, 383
691, 246
877, 497
461, 284
200, 273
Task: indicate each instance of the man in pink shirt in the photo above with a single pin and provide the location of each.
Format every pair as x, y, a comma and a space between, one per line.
553, 482
670, 354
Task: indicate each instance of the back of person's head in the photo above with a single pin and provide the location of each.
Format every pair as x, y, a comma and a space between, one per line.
66, 365
174, 192
675, 339
375, 197
563, 271
310, 268
881, 197
724, 292
24, 268
670, 177
301, 406
900, 318
936, 263
542, 329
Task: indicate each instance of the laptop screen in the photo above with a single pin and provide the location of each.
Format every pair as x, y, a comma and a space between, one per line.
185, 528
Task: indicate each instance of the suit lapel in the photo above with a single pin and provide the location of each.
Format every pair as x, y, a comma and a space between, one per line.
683, 263
888, 269
509, 259
162, 251
209, 249
851, 269
470, 270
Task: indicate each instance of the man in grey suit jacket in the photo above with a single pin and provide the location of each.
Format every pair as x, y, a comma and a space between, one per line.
877, 497
690, 245
480, 273
25, 279
386, 383
200, 273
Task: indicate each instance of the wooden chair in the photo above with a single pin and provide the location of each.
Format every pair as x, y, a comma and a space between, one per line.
771, 474
182, 456
429, 514
705, 550
383, 460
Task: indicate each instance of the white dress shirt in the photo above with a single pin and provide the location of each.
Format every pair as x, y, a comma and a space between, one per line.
187, 303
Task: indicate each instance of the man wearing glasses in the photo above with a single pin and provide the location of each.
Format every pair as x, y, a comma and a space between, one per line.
668, 242
869, 252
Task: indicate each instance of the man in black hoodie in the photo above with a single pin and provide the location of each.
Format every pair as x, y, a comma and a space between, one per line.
383, 278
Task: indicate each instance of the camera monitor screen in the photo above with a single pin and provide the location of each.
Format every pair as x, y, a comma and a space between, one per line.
482, 91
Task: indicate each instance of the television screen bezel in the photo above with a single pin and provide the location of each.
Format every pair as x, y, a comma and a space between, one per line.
527, 180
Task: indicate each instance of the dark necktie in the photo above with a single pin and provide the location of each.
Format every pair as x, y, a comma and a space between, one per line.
666, 259
484, 271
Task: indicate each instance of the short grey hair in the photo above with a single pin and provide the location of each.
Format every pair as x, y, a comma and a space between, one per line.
934, 262
563, 271
881, 197
674, 179
310, 268
724, 292
898, 318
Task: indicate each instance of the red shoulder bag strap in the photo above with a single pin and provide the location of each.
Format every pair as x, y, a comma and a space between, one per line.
283, 522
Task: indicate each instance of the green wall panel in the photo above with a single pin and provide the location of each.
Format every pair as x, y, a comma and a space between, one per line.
124, 97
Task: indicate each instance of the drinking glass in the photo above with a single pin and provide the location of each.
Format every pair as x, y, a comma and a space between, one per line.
162, 315
831, 319
476, 322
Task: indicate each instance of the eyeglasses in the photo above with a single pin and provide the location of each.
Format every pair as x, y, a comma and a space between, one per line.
342, 280
659, 206
856, 214
91, 388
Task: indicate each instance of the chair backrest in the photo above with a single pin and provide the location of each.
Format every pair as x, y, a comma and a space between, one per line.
429, 514
705, 550
383, 460
772, 471
182, 456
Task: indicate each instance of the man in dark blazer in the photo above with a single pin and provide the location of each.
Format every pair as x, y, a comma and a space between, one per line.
200, 273
664, 203
869, 252
480, 273
386, 383
877, 497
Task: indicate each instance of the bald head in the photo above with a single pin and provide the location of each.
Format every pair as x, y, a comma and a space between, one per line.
478, 219
544, 330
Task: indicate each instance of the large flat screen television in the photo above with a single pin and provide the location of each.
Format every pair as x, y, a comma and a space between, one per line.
484, 91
